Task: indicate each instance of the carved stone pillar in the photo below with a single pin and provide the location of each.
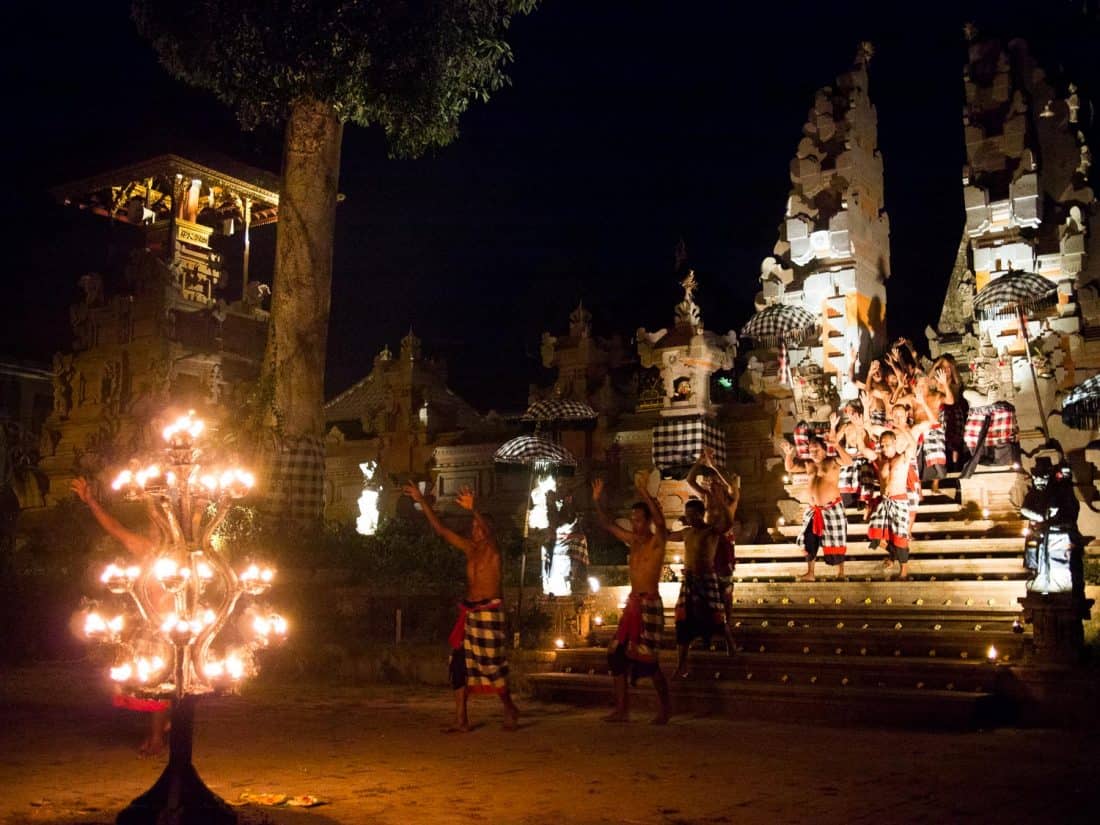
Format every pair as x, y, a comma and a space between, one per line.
1056, 620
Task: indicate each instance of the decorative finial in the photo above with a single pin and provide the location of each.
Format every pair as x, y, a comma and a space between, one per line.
970, 31
687, 312
864, 52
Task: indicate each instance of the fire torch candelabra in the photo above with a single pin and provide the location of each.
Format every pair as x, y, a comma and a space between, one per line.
183, 594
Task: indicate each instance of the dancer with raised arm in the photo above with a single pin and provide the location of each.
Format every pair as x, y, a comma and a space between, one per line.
478, 661
825, 525
634, 649
140, 547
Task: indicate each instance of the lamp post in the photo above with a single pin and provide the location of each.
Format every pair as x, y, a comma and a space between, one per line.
184, 594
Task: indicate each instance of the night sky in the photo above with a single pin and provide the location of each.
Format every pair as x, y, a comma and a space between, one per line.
628, 126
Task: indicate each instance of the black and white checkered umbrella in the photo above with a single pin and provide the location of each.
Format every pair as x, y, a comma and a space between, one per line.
553, 410
1014, 293
780, 324
1081, 408
531, 450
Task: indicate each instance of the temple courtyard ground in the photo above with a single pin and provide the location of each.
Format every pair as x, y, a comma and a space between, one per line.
379, 754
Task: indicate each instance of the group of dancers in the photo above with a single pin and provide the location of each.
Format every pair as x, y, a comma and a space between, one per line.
906, 428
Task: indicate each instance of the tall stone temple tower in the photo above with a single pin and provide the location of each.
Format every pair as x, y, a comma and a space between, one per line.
1028, 200
184, 324
833, 253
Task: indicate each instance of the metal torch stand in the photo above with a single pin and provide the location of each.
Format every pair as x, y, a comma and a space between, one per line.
179, 796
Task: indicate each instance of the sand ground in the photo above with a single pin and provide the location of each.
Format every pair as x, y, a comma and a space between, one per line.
378, 754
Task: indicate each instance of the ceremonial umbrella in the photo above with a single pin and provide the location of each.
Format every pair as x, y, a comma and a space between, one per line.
1013, 295
536, 453
1081, 408
780, 325
555, 410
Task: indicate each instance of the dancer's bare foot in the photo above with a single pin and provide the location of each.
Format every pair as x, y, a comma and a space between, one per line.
152, 747
806, 577
617, 716
681, 673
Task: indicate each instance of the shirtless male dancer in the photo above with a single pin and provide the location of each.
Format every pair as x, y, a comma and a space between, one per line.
638, 639
825, 526
699, 609
890, 523
141, 548
720, 498
478, 662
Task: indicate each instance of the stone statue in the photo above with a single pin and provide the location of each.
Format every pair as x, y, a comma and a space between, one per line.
687, 312
254, 295
580, 322
1086, 160
62, 384
92, 284
547, 349
1073, 102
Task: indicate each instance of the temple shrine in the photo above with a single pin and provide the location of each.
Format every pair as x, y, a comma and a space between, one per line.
184, 323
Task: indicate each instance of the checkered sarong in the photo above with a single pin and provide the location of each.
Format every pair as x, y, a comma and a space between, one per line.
802, 432
296, 485
640, 628
678, 442
935, 446
890, 521
480, 637
829, 524
700, 610
858, 478
578, 546
1003, 427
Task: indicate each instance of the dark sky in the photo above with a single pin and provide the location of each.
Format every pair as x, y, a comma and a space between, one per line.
628, 125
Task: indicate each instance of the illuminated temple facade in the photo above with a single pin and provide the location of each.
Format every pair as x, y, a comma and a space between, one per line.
1028, 202
833, 253
181, 322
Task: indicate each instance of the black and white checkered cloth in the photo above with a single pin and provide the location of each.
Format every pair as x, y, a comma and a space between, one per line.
484, 646
529, 450
559, 409
678, 442
890, 521
830, 524
788, 323
296, 481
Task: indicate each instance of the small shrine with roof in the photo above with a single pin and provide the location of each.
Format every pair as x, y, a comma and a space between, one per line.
183, 324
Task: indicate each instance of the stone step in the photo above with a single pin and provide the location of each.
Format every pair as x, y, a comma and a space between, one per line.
877, 617
856, 666
864, 566
934, 595
833, 704
914, 638
945, 529
924, 510
917, 548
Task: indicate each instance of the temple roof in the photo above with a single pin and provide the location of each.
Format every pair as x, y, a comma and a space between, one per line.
235, 178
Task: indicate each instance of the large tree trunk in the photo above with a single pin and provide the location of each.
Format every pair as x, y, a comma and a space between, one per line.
300, 302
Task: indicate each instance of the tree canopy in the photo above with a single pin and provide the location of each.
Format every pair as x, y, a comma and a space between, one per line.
409, 66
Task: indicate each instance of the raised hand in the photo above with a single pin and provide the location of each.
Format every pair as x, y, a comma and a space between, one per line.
784, 446
641, 482
834, 419
465, 498
82, 489
413, 492
597, 489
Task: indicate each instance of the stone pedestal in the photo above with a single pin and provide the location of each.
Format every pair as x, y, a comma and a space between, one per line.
1057, 624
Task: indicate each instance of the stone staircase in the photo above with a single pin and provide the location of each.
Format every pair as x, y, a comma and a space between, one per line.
943, 649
